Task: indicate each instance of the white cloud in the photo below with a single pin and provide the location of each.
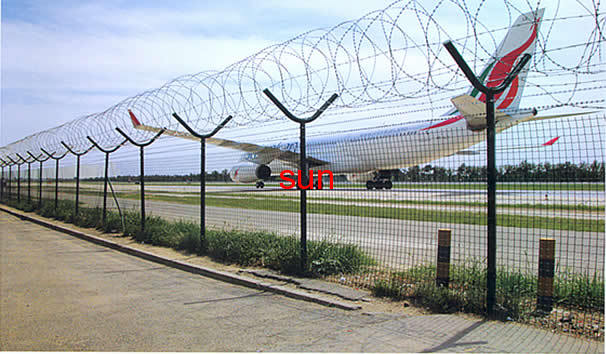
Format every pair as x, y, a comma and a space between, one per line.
68, 60
65, 72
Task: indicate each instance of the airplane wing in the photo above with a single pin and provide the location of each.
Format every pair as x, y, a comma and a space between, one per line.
550, 142
259, 154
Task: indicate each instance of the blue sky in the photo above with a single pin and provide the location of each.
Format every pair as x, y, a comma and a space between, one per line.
64, 59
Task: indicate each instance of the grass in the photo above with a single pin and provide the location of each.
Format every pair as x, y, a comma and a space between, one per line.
568, 207
234, 247
454, 217
546, 186
135, 194
516, 292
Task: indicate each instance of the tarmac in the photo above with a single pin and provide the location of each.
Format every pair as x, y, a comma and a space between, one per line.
60, 292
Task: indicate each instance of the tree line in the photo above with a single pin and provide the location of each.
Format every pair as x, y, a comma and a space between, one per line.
523, 172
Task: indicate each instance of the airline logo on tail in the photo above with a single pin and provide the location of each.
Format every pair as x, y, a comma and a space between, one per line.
504, 66
525, 31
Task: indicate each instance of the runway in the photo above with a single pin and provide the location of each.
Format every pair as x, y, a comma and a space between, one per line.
398, 244
548, 197
452, 199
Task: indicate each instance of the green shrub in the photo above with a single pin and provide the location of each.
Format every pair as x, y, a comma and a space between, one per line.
286, 256
160, 232
239, 247
26, 206
89, 217
516, 292
132, 222
385, 288
189, 234
579, 290
327, 258
113, 222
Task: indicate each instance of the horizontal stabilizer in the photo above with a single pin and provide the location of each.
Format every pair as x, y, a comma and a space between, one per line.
564, 115
474, 111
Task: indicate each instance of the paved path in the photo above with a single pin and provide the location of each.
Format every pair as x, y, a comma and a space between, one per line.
62, 293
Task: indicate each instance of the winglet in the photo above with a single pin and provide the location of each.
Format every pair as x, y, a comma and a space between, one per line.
133, 119
552, 141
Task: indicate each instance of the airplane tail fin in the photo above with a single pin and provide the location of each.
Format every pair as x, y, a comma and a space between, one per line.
520, 39
133, 119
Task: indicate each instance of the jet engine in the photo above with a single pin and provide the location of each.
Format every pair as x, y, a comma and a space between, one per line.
249, 172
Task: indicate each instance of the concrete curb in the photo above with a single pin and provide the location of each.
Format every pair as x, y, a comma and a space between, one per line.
204, 271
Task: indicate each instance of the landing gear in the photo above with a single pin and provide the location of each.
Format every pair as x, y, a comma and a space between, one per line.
379, 184
260, 184
382, 180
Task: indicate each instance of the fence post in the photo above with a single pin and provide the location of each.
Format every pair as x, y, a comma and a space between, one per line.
202, 138
39, 176
546, 273
443, 268
10, 177
29, 182
302, 164
18, 176
56, 175
141, 170
106, 178
56, 185
490, 93
18, 183
29, 177
40, 186
78, 155
2, 183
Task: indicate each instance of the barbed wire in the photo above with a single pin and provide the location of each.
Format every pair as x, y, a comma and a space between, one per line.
389, 55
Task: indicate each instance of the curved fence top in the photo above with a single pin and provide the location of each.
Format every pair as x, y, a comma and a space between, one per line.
388, 55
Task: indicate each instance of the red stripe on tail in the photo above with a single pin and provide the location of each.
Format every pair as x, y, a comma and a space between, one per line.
504, 66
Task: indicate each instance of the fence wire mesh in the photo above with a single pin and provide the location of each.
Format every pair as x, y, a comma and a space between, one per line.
369, 227
544, 191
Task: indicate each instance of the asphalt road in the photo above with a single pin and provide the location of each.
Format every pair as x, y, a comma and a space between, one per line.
62, 293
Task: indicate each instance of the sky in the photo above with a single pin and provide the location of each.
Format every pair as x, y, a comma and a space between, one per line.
64, 59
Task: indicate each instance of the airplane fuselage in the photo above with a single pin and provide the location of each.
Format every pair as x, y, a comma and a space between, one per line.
390, 148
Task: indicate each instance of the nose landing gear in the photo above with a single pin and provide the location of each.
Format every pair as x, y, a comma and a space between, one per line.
260, 184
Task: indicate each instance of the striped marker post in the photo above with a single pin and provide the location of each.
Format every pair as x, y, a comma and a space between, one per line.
546, 272
443, 269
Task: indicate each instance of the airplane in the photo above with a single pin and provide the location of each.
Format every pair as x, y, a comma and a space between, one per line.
371, 156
